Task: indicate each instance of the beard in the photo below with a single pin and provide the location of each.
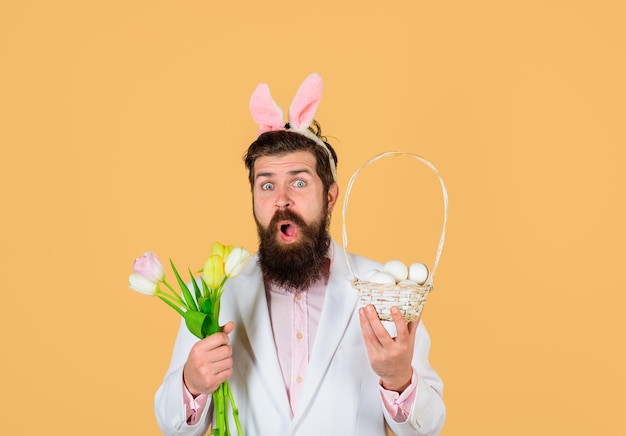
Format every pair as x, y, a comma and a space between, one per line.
299, 264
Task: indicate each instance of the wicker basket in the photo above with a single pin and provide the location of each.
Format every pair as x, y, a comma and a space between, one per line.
408, 298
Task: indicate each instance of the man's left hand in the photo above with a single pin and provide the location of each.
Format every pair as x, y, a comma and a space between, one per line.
390, 357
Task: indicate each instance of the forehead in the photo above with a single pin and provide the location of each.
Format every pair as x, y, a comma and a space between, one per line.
297, 160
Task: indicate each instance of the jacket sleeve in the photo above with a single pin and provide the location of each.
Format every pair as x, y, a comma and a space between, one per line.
428, 412
169, 404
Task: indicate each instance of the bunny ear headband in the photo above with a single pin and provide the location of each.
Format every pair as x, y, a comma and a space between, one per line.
269, 116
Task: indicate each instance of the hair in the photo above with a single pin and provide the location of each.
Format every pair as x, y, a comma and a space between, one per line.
281, 142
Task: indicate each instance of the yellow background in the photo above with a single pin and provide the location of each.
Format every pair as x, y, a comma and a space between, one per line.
122, 125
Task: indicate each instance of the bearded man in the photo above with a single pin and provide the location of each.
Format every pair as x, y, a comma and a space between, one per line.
301, 358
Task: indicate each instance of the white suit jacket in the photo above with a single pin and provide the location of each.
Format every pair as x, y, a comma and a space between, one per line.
340, 395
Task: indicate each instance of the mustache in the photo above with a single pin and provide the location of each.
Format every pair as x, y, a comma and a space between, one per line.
286, 215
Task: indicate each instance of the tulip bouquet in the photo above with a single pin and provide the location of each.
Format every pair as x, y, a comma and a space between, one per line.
200, 309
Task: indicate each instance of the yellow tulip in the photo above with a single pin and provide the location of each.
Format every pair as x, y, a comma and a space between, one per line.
221, 249
217, 248
213, 273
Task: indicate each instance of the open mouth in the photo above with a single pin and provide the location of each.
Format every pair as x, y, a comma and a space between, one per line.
287, 231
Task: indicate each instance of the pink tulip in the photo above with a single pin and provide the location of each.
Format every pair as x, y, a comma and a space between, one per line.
149, 266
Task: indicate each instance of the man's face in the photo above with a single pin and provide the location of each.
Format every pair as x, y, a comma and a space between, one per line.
290, 182
291, 211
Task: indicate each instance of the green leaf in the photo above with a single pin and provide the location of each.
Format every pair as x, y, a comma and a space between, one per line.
207, 307
212, 320
195, 322
205, 288
172, 305
195, 286
210, 326
183, 287
216, 308
201, 302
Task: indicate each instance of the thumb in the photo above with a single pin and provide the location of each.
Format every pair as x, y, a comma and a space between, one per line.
228, 327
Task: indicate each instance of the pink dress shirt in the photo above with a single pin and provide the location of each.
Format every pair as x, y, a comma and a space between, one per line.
294, 317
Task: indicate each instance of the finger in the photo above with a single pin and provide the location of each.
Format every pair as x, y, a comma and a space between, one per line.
402, 332
369, 320
413, 325
219, 354
368, 334
221, 364
228, 327
222, 376
405, 331
377, 326
211, 342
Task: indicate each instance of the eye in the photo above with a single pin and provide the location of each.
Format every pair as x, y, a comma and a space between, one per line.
267, 186
299, 184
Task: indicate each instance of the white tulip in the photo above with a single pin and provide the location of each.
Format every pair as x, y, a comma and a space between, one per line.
139, 283
236, 261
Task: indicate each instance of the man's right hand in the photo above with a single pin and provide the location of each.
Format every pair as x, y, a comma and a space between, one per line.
209, 363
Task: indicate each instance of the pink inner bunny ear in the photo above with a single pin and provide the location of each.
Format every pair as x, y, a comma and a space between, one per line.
265, 112
304, 104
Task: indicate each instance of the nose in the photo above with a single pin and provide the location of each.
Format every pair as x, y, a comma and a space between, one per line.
282, 199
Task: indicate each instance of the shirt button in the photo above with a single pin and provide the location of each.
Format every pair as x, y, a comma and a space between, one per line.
298, 379
299, 296
299, 335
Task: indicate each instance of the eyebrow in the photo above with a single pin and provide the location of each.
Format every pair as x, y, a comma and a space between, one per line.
290, 173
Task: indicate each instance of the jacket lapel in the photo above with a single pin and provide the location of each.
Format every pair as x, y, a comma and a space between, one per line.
256, 322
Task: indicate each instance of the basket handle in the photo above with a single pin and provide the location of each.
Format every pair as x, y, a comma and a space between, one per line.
445, 206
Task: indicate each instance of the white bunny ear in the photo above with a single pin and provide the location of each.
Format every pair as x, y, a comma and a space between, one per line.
265, 112
304, 104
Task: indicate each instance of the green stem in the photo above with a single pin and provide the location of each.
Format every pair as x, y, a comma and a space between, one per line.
226, 422
174, 294
170, 297
191, 302
221, 286
218, 401
231, 399
169, 303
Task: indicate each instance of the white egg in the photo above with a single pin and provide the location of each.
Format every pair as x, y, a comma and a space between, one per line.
383, 278
370, 273
397, 269
418, 272
408, 282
